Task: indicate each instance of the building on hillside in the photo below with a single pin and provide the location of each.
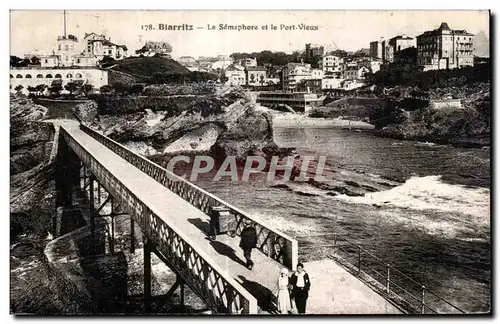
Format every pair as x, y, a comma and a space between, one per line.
293, 73
331, 63
316, 74
235, 75
356, 73
401, 42
256, 75
152, 48
86, 54
67, 48
221, 64
387, 52
348, 85
313, 51
372, 64
376, 49
444, 48
331, 83
99, 46
31, 77
249, 61
272, 81
309, 85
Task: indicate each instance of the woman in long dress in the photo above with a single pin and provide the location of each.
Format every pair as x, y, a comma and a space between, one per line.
283, 294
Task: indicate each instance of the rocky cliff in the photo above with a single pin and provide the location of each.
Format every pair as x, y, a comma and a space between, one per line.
223, 122
466, 126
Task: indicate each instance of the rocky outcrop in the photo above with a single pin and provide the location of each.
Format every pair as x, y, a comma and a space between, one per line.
87, 111
225, 122
252, 134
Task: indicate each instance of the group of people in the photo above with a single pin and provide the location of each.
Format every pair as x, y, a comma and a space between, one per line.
290, 287
293, 287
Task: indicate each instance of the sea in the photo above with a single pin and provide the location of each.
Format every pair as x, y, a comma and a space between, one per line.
424, 208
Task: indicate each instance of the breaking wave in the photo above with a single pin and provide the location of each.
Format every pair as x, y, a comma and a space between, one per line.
430, 192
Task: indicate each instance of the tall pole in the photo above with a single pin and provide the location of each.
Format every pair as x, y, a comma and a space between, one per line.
64, 23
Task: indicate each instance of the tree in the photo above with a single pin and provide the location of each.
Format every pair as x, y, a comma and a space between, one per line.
41, 87
56, 88
31, 89
35, 60
71, 87
87, 88
224, 79
18, 88
120, 88
136, 89
106, 61
105, 89
17, 61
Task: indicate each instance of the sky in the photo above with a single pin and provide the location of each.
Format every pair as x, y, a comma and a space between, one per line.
36, 31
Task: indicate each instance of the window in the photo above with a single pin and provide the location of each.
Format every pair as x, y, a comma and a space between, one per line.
59, 47
66, 47
19, 76
109, 51
69, 76
77, 60
49, 76
58, 76
39, 76
28, 76
11, 76
46, 61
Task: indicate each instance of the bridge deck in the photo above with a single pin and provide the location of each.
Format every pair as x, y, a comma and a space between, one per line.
261, 280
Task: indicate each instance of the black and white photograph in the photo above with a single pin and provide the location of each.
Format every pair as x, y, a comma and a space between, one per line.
250, 162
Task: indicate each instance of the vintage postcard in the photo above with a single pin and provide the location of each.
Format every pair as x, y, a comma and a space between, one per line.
250, 162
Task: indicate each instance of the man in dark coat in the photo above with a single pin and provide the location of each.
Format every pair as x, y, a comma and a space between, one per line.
248, 241
300, 288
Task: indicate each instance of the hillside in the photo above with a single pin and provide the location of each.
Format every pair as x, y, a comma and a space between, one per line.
145, 67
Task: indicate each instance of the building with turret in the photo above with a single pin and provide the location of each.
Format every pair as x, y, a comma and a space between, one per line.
444, 48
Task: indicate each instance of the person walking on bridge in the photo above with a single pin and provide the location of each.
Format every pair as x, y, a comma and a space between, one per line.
248, 241
300, 288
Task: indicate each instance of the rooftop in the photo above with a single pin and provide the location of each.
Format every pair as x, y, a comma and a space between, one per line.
401, 37
444, 27
256, 68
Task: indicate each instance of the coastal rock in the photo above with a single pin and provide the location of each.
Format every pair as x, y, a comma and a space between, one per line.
252, 134
224, 123
87, 111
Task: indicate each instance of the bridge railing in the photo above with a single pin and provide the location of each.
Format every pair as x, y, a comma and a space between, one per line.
409, 294
271, 242
218, 289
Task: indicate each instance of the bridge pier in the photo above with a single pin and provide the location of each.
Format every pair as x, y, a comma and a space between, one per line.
148, 248
92, 215
66, 178
132, 235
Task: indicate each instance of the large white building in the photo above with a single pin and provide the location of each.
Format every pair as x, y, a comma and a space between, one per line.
331, 63
93, 48
444, 48
235, 75
31, 77
293, 73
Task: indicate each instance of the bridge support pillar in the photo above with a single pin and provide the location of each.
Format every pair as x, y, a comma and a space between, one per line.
91, 215
148, 248
132, 236
66, 179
